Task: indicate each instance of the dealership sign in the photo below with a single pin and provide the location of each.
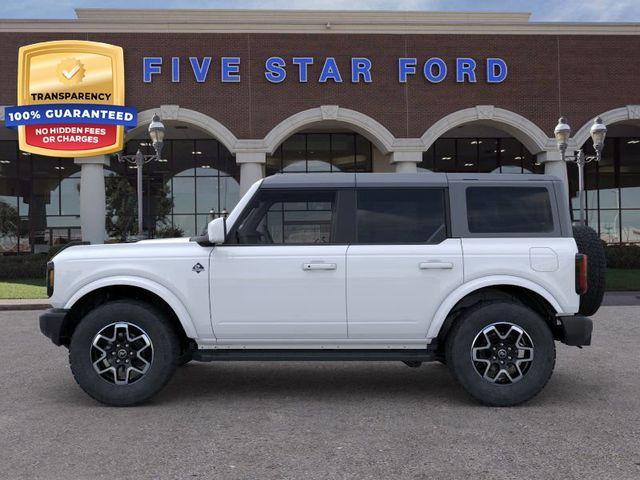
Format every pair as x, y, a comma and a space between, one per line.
70, 99
323, 70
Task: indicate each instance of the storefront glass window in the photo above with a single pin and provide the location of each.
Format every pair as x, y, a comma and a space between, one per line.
321, 152
612, 190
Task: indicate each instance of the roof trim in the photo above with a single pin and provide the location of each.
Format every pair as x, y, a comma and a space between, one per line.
310, 21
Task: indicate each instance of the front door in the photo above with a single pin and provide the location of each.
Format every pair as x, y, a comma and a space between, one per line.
281, 274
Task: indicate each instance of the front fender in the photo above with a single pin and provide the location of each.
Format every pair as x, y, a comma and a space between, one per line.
176, 305
490, 281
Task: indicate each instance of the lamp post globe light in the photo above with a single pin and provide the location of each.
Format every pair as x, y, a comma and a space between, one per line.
156, 134
562, 133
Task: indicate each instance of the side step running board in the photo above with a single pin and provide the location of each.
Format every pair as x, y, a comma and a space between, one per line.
424, 355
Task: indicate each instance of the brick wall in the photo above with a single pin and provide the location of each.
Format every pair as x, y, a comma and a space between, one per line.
578, 76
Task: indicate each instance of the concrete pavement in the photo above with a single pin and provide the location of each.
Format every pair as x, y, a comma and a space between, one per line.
322, 420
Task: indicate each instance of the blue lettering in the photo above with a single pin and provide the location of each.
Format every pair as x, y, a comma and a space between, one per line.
200, 71
175, 69
406, 66
428, 70
230, 70
360, 67
303, 64
465, 67
330, 71
496, 70
275, 69
151, 66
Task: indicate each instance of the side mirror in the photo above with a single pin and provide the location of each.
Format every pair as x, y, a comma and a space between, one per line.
217, 230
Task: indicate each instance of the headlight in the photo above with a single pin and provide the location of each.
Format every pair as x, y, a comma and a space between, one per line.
50, 278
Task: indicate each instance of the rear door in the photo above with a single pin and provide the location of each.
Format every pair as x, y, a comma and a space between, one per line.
403, 263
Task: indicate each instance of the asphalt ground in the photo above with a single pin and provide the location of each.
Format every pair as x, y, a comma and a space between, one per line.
322, 420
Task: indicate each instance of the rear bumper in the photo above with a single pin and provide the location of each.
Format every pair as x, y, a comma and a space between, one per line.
575, 330
52, 325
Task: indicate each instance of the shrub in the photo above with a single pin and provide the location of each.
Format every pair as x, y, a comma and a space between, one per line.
170, 232
23, 266
623, 256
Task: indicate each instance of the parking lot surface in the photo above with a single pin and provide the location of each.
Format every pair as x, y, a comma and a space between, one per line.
322, 420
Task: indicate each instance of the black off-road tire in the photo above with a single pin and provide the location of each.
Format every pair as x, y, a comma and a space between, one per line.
165, 344
458, 351
589, 243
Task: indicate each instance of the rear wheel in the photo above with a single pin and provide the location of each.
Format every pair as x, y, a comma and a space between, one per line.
502, 353
122, 353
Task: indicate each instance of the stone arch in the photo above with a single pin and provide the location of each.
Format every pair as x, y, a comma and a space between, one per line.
197, 119
527, 132
622, 114
373, 130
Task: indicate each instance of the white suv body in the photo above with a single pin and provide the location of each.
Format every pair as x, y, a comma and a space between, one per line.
341, 263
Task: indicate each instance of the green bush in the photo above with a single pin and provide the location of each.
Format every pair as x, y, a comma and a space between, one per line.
26, 266
623, 256
23, 266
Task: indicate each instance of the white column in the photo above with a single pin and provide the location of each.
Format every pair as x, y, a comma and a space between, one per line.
93, 209
406, 162
553, 165
251, 168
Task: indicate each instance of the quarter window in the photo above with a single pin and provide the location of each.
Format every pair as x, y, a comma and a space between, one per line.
289, 217
509, 210
401, 216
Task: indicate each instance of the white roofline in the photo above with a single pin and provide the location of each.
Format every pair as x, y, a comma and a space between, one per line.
310, 21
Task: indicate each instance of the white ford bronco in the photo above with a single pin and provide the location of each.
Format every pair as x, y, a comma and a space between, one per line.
481, 272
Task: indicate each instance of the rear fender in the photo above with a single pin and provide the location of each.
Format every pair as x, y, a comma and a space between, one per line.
495, 280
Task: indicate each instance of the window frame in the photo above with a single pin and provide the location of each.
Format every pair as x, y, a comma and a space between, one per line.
445, 204
460, 222
342, 207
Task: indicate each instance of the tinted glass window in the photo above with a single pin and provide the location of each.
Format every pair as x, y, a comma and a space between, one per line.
401, 216
289, 217
509, 210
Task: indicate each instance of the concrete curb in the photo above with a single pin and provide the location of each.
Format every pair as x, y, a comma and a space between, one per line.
26, 304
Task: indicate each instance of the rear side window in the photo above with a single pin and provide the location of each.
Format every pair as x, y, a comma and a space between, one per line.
509, 210
401, 215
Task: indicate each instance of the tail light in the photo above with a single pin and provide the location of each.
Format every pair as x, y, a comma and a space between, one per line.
582, 284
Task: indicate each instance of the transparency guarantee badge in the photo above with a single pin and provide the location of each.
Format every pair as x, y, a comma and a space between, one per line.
71, 99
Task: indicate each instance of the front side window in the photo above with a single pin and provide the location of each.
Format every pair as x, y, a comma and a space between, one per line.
401, 215
509, 210
288, 217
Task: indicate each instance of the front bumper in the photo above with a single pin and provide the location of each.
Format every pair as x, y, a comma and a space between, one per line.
52, 325
575, 330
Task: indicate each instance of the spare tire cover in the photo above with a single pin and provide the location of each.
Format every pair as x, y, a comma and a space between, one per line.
590, 244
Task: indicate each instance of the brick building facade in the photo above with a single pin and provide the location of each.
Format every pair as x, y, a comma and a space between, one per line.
225, 133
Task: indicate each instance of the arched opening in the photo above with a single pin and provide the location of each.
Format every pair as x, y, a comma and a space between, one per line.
324, 149
613, 185
481, 148
39, 199
196, 180
328, 139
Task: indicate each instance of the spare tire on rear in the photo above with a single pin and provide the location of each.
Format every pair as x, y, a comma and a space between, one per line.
589, 243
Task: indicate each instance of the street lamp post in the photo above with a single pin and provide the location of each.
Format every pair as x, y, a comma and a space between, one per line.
156, 133
562, 133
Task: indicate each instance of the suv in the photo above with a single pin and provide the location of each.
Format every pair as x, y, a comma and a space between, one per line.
480, 272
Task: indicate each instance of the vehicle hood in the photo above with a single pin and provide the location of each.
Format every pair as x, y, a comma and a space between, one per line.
164, 248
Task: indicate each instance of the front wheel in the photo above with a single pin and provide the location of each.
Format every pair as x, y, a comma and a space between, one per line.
123, 352
502, 353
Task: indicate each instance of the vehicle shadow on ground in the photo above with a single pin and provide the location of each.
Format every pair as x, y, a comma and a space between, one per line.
304, 381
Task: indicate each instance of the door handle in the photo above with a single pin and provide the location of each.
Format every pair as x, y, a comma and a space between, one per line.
319, 266
436, 265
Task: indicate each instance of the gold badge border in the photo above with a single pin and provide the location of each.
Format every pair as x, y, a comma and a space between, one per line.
71, 47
